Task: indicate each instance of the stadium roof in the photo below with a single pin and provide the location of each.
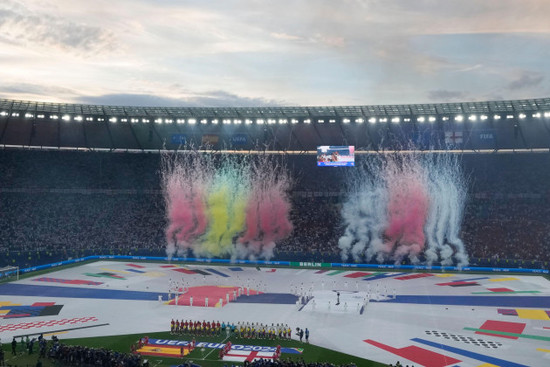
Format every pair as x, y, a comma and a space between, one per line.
468, 126
299, 112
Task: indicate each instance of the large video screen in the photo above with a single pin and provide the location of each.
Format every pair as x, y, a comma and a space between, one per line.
335, 156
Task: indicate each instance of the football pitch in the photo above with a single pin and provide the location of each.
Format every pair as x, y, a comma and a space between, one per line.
422, 319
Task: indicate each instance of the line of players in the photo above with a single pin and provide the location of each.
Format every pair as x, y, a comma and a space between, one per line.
244, 330
196, 327
251, 330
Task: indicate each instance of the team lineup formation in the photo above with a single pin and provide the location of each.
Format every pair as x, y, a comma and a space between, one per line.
243, 330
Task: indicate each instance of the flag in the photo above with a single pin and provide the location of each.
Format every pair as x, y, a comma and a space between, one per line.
163, 351
210, 139
178, 139
239, 139
484, 139
453, 137
250, 356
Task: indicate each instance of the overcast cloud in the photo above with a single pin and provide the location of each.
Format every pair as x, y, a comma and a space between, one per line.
284, 52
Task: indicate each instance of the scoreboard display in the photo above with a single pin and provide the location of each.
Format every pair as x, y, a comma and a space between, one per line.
335, 156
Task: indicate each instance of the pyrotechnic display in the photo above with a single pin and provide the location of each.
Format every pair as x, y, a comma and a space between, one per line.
225, 205
405, 207
399, 207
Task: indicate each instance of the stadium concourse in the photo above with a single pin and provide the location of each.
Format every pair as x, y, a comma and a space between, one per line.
423, 319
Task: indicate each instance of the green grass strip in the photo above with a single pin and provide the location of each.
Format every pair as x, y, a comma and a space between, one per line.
337, 272
506, 292
103, 276
537, 337
122, 343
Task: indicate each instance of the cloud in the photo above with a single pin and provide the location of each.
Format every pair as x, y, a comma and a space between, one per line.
526, 80
40, 30
469, 68
308, 52
442, 95
285, 36
39, 92
210, 99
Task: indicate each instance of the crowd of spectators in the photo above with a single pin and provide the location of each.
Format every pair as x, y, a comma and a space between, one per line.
291, 363
74, 355
59, 205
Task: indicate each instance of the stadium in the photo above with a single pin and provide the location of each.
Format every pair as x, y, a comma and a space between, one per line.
447, 264
283, 183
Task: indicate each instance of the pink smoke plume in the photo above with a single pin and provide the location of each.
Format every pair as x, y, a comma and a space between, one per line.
267, 215
407, 211
184, 181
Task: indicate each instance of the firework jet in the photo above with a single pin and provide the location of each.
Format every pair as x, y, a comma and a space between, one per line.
405, 206
235, 207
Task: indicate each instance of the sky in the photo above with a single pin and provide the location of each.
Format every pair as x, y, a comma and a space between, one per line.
242, 53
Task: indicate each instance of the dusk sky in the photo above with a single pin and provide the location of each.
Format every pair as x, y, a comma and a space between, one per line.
279, 52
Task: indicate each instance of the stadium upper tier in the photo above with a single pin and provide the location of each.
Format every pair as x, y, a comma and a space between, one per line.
492, 125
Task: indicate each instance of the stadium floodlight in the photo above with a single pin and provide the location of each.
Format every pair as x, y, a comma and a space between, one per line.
320, 121
472, 118
78, 118
547, 114
537, 115
204, 121
359, 120
445, 118
522, 116
123, 120
40, 116
372, 120
395, 120
293, 121
4, 113
192, 121
406, 119
421, 119
331, 121
483, 117
508, 117
168, 121
384, 119
307, 121
271, 121
133, 121
101, 119
497, 117
248, 122
66, 118
28, 115
54, 117
432, 118
113, 120
215, 121
15, 114
260, 121
283, 121
226, 121
459, 118
89, 119
158, 121
145, 121
237, 121
346, 120
180, 121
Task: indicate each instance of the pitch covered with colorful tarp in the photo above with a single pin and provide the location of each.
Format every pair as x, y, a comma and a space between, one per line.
423, 319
